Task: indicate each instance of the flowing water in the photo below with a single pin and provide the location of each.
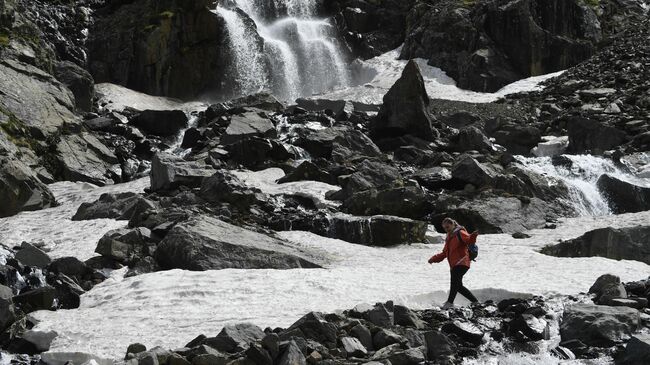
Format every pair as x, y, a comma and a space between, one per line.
282, 46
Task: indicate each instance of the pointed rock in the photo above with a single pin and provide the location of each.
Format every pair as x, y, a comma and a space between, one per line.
406, 108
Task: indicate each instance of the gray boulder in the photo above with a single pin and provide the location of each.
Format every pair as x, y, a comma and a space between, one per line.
588, 135
314, 326
125, 245
292, 355
630, 243
246, 125
79, 81
206, 243
606, 288
82, 157
353, 347
224, 187
379, 230
235, 338
121, 206
406, 108
20, 189
7, 310
469, 171
624, 196
637, 351
29, 255
439, 347
163, 123
597, 325
169, 171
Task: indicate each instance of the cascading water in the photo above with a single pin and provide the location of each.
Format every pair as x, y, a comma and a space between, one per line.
580, 173
299, 54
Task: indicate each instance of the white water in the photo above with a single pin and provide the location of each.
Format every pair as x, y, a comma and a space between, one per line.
300, 54
581, 178
374, 77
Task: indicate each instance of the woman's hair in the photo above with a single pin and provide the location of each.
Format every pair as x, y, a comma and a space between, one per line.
450, 221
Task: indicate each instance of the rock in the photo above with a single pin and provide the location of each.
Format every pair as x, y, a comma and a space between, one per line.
20, 189
405, 108
307, 170
337, 143
40, 340
176, 359
552, 146
516, 137
121, 206
292, 355
406, 317
362, 333
315, 327
205, 243
384, 338
255, 152
79, 81
623, 196
125, 245
407, 202
465, 330
259, 355
597, 325
637, 351
31, 256
380, 315
353, 347
470, 171
629, 243
339, 109
471, 138
36, 299
191, 138
520, 235
7, 310
224, 187
377, 230
606, 288
162, 123
169, 172
530, 327
587, 135
136, 348
235, 338
246, 125
439, 346
271, 342
368, 175
82, 157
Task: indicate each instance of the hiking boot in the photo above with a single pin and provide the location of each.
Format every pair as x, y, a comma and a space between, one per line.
447, 305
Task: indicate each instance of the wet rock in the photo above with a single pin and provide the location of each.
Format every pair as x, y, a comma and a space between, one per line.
20, 189
471, 138
136, 348
587, 135
82, 157
470, 171
169, 172
377, 230
637, 351
162, 123
629, 243
623, 196
516, 137
235, 338
408, 202
529, 327
597, 325
307, 170
405, 108
434, 178
339, 109
406, 317
191, 138
257, 152
353, 347
29, 255
246, 125
205, 243
362, 333
224, 187
121, 206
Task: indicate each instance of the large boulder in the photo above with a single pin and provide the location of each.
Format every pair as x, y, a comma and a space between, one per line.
125, 245
379, 230
637, 351
121, 206
79, 81
246, 125
83, 157
406, 108
7, 310
469, 171
624, 196
630, 243
314, 326
20, 189
408, 202
589, 135
169, 172
235, 338
163, 123
205, 243
597, 325
224, 187
29, 255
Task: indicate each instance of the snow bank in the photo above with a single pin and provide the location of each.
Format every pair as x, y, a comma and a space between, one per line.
149, 308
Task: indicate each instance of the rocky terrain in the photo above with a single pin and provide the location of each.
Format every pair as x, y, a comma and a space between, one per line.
226, 176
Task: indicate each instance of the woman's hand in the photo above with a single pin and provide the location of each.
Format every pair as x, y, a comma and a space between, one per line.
474, 235
431, 260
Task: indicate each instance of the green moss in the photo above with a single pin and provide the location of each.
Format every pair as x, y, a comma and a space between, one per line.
150, 27
592, 3
4, 39
166, 14
469, 3
17, 133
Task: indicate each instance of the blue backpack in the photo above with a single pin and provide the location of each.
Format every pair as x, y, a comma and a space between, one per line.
472, 248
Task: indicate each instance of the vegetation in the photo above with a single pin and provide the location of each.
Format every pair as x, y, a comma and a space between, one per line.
592, 3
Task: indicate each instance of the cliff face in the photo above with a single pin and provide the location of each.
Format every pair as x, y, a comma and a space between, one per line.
160, 47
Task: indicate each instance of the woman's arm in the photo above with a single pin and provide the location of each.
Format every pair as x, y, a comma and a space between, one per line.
439, 257
468, 238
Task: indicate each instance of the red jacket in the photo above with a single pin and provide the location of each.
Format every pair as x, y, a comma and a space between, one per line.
456, 251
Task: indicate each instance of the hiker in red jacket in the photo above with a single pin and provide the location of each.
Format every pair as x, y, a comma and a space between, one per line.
457, 253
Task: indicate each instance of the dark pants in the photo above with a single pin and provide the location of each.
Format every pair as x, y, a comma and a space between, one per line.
457, 274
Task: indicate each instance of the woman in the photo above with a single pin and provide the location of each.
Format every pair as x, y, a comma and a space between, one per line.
457, 253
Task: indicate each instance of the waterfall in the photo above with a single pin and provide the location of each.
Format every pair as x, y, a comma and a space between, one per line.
580, 174
300, 54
